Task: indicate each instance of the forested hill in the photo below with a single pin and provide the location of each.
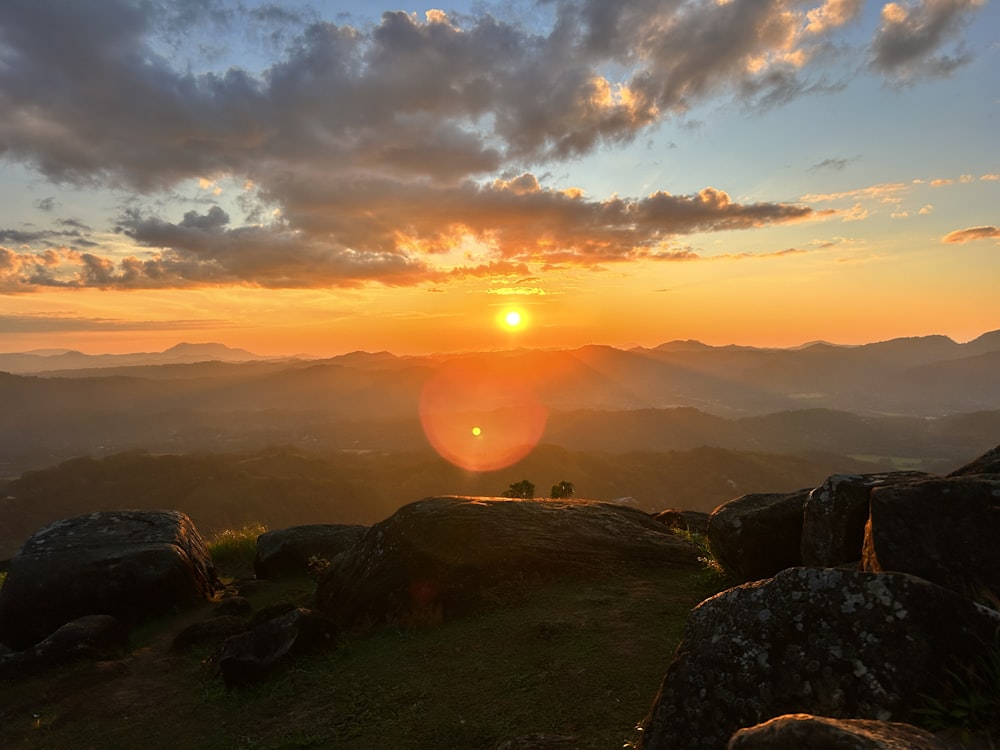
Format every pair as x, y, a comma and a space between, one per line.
283, 487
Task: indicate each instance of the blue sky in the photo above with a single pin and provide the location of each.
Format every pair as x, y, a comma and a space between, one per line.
339, 175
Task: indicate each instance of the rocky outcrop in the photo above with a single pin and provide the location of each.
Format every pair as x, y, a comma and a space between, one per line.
434, 557
798, 731
90, 637
755, 536
290, 550
829, 642
945, 530
835, 513
128, 564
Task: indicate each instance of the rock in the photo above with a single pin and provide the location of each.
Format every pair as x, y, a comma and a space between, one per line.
129, 564
289, 550
823, 641
252, 656
90, 637
988, 463
943, 529
684, 520
755, 536
835, 513
213, 631
433, 558
797, 731
232, 605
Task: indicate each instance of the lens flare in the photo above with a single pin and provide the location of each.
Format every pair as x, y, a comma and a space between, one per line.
480, 420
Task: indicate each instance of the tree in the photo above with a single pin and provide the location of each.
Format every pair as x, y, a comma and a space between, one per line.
524, 490
562, 490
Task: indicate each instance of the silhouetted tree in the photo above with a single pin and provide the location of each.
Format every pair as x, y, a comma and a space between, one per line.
562, 490
524, 490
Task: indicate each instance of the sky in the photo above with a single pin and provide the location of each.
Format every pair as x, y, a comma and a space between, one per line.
331, 176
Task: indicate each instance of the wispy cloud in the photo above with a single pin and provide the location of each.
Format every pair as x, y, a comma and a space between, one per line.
61, 322
961, 236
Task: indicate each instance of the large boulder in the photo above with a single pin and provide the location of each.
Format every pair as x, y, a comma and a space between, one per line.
755, 536
797, 731
436, 556
945, 530
290, 550
129, 564
823, 641
835, 513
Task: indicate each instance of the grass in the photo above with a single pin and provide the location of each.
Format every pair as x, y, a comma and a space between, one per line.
579, 658
235, 549
970, 707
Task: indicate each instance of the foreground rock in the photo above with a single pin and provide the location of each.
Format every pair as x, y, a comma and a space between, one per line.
90, 637
128, 564
944, 530
290, 550
819, 733
755, 536
835, 513
829, 642
252, 656
434, 557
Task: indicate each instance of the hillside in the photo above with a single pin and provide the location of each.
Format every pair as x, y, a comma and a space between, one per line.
905, 395
283, 487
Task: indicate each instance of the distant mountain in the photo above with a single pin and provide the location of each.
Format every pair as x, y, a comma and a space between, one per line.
40, 361
208, 352
198, 397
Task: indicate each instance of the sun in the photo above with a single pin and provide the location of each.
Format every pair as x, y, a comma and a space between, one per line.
512, 318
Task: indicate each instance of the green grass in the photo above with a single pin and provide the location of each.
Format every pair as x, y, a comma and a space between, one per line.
582, 658
235, 549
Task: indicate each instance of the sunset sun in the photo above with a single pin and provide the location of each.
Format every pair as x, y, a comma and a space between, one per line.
512, 319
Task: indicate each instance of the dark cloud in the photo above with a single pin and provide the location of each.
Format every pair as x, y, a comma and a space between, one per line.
45, 204
373, 150
909, 41
832, 164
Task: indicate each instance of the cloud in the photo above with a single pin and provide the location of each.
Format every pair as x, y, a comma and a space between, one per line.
910, 40
886, 192
961, 236
831, 164
56, 322
373, 150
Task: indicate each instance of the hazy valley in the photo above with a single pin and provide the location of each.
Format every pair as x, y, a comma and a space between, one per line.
230, 438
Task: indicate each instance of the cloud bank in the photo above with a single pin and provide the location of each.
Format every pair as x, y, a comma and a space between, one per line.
370, 153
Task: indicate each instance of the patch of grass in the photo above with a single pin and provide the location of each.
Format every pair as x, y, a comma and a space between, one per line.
715, 573
970, 704
581, 658
235, 549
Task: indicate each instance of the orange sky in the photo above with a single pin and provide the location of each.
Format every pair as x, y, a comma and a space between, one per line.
334, 178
